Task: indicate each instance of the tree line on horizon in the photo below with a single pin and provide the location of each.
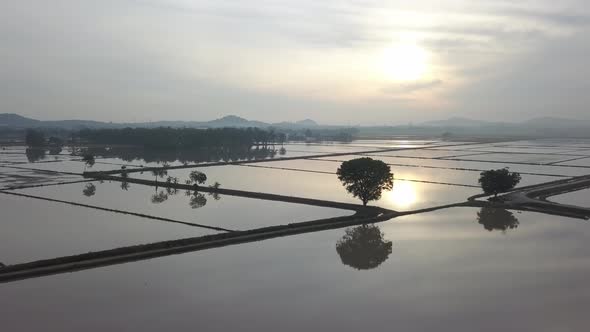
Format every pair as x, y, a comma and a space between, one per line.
181, 137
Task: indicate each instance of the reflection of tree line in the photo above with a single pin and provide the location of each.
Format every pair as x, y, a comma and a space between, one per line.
216, 154
38, 153
212, 154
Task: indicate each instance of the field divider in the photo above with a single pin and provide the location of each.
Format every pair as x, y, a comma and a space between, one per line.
567, 160
240, 193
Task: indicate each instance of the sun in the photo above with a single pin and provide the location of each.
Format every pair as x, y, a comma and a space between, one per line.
405, 62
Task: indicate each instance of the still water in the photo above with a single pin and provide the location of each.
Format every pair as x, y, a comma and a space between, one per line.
442, 271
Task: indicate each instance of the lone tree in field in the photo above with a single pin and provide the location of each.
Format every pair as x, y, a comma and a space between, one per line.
88, 160
365, 178
498, 180
363, 247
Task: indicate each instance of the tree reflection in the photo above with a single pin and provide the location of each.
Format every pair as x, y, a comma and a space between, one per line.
197, 200
159, 197
89, 190
125, 185
185, 156
34, 155
497, 219
363, 247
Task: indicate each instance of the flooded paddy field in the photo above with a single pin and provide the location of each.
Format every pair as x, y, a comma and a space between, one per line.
578, 198
434, 269
233, 213
34, 229
423, 269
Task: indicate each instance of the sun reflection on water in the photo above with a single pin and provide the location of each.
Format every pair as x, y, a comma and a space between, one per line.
403, 194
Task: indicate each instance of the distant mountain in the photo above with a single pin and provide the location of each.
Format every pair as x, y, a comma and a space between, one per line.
457, 122
17, 121
552, 122
233, 121
307, 123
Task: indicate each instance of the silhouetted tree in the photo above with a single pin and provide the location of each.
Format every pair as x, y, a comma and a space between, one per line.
365, 178
363, 247
196, 177
89, 190
498, 180
497, 219
34, 138
215, 195
88, 160
159, 173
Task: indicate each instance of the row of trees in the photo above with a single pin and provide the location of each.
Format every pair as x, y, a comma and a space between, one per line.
181, 137
366, 178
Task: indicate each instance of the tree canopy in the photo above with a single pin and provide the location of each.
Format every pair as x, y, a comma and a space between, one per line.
363, 247
365, 178
498, 180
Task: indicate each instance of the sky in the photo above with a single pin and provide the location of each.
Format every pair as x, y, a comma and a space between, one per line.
337, 62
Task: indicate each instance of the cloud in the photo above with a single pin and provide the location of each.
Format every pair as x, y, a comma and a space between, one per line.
127, 60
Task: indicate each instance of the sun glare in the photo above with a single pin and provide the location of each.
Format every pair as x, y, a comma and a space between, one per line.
405, 62
403, 194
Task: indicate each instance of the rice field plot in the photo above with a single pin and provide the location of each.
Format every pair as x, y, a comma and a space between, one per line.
34, 229
228, 212
577, 198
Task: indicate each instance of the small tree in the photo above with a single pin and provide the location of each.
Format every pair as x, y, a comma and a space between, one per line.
88, 160
365, 178
197, 177
496, 181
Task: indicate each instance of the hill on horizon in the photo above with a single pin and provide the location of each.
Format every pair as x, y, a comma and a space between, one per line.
13, 120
